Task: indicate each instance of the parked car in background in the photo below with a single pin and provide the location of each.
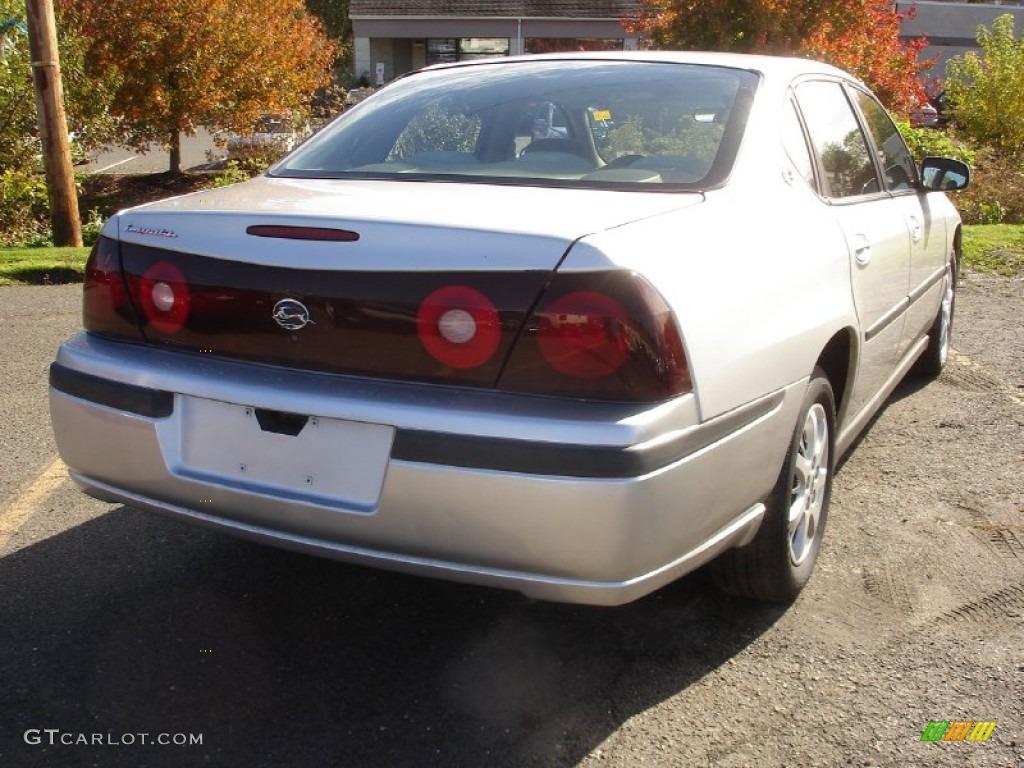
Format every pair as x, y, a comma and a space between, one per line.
924, 115
576, 361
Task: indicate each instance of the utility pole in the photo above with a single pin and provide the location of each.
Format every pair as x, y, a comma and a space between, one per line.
53, 124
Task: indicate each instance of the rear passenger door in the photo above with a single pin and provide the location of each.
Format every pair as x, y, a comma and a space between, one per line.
873, 224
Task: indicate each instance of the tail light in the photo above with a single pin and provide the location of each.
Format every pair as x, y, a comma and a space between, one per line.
106, 306
164, 297
458, 326
584, 335
111, 298
603, 335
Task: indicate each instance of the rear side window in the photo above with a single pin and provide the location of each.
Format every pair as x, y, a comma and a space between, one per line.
838, 141
795, 144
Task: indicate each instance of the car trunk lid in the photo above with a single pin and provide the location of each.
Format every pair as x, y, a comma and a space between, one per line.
401, 226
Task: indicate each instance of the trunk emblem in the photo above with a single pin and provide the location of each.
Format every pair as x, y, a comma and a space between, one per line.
291, 315
151, 231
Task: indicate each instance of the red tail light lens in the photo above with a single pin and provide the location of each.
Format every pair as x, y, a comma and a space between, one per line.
165, 298
106, 308
458, 326
584, 335
303, 233
600, 335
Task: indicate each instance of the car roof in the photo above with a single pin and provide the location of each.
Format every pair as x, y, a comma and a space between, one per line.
784, 67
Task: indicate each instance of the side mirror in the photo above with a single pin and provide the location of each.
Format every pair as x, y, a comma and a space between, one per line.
945, 174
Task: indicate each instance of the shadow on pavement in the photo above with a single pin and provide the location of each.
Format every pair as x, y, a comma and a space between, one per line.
135, 624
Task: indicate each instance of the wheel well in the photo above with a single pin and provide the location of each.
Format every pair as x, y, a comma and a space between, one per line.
834, 360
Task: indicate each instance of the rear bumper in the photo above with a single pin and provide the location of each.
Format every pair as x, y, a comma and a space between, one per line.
579, 502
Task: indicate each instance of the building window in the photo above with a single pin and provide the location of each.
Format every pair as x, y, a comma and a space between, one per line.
442, 49
563, 44
465, 48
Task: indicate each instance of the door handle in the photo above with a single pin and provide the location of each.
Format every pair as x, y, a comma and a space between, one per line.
861, 249
915, 228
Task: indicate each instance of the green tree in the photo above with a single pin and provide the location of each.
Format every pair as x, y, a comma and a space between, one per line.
987, 91
86, 98
180, 64
17, 104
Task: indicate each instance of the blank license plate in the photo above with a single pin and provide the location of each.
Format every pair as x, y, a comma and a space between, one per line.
330, 462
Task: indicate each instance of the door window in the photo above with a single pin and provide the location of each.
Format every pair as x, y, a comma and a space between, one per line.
899, 170
838, 141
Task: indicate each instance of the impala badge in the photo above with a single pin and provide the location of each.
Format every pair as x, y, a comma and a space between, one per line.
151, 231
291, 315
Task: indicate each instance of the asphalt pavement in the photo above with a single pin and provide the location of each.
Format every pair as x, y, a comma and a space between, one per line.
197, 151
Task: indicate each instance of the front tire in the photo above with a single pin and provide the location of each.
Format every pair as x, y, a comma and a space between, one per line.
940, 337
778, 563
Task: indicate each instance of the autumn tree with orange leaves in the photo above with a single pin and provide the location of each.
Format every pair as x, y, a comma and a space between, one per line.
860, 36
180, 64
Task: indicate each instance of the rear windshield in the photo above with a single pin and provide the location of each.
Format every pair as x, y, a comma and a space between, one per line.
605, 124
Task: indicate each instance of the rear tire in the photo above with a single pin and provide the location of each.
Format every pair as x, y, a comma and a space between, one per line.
940, 337
777, 564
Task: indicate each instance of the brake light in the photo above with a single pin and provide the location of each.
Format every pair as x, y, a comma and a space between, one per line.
584, 335
600, 335
106, 307
286, 232
458, 326
164, 297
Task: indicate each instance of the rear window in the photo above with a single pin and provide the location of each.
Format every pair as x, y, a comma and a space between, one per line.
554, 122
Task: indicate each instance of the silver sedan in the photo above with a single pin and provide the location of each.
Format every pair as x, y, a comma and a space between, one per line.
575, 363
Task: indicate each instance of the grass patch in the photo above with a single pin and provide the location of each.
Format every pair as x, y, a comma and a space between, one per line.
42, 266
997, 248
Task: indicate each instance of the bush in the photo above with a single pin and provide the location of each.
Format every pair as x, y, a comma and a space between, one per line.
24, 208
236, 170
91, 227
328, 102
987, 92
930, 142
996, 193
25, 212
